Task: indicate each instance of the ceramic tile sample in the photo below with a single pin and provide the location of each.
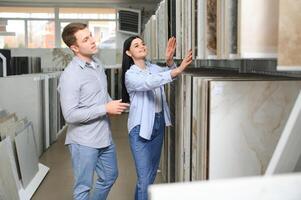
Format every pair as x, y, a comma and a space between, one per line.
154, 43
29, 89
287, 153
179, 151
201, 22
179, 29
227, 28
27, 155
53, 110
11, 152
289, 41
246, 120
268, 188
258, 28
211, 43
232, 37
7, 179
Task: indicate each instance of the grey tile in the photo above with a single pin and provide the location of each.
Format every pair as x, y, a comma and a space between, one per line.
27, 155
29, 89
7, 179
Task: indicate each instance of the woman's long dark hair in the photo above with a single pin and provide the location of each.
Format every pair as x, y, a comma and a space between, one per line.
127, 62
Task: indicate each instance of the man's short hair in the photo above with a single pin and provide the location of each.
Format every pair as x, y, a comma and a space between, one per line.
69, 31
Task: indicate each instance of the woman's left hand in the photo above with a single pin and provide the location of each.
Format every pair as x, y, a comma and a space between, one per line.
170, 50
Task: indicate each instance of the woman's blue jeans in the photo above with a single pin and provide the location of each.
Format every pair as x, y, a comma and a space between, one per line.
146, 154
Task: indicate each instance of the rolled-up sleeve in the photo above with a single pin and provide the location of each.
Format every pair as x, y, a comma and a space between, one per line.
69, 90
138, 81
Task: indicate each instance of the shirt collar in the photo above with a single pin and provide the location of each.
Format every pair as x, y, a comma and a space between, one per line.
147, 67
84, 64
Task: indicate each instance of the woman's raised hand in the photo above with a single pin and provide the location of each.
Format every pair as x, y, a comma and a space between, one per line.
170, 51
186, 61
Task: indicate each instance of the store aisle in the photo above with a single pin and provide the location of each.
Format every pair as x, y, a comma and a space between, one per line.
58, 183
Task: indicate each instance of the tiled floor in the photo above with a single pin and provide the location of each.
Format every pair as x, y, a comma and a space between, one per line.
58, 183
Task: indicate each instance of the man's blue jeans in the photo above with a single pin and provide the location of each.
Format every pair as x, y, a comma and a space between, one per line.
146, 154
86, 160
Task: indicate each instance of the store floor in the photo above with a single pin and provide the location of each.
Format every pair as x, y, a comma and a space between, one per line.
59, 181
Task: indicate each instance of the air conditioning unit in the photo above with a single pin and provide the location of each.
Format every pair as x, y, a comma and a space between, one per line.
129, 21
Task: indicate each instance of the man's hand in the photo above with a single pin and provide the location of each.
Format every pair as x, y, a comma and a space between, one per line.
170, 51
116, 107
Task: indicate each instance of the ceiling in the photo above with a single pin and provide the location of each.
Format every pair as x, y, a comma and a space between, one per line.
147, 7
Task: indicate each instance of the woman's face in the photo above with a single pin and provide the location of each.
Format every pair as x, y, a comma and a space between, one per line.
137, 50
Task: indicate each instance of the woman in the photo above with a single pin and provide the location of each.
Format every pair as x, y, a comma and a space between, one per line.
143, 86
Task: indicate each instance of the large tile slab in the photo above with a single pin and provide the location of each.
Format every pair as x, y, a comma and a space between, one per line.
268, 188
7, 178
29, 89
258, 28
27, 155
211, 25
246, 120
288, 152
289, 40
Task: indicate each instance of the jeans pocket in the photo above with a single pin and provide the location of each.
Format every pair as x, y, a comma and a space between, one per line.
135, 131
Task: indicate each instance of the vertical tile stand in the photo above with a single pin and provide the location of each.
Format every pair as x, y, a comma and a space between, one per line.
27, 193
288, 151
3, 58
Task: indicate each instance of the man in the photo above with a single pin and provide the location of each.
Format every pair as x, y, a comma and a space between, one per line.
86, 104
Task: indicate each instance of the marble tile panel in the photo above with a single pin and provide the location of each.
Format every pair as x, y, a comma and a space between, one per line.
179, 151
289, 39
179, 26
261, 187
27, 155
229, 31
211, 25
287, 153
246, 119
201, 23
258, 28
7, 179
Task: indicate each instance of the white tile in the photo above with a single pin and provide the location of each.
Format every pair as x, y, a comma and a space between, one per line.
246, 120
287, 153
268, 188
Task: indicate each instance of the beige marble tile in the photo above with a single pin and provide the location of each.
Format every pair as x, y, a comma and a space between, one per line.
246, 120
211, 25
258, 28
289, 39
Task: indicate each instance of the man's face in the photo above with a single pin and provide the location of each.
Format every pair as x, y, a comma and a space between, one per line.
85, 43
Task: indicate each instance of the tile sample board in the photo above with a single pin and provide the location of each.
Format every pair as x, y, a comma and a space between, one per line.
258, 28
29, 89
27, 155
246, 119
289, 40
211, 25
7, 178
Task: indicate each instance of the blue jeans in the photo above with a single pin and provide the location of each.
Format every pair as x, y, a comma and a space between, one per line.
86, 160
146, 154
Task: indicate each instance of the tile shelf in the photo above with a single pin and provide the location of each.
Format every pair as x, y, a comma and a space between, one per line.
256, 66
